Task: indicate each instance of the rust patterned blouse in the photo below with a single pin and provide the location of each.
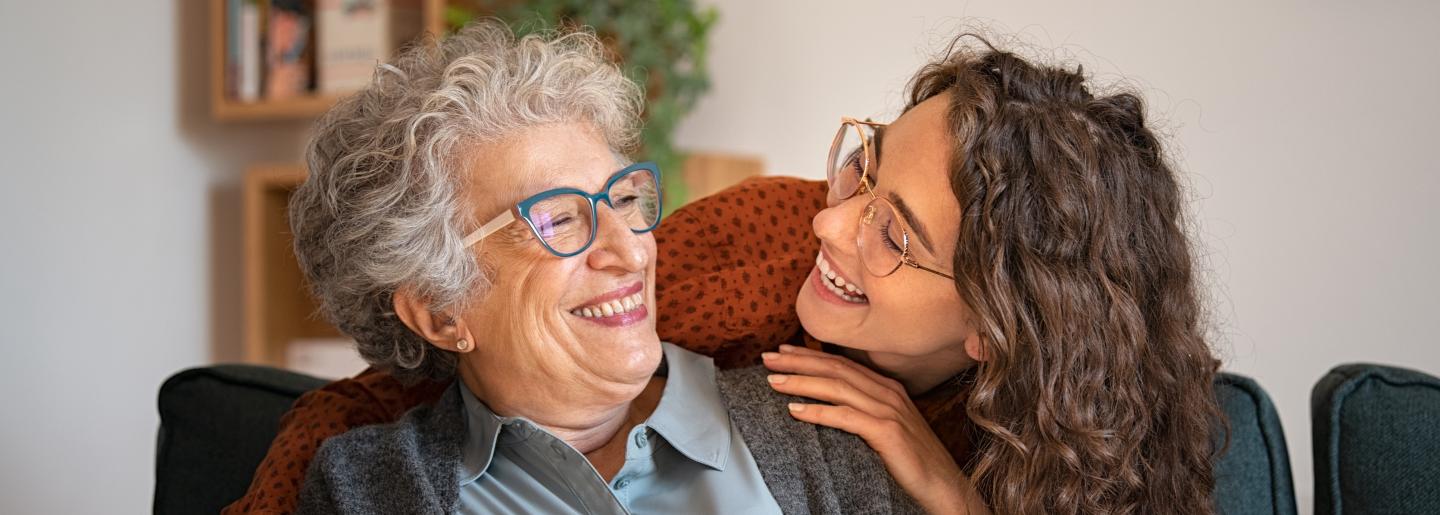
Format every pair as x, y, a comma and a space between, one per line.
729, 267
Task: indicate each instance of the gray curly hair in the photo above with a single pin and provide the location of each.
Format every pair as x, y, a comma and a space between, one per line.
381, 208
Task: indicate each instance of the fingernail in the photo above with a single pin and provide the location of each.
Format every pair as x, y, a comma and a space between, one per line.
776, 378
784, 347
768, 355
796, 407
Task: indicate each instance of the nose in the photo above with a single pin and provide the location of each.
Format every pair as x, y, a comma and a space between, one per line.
836, 225
616, 246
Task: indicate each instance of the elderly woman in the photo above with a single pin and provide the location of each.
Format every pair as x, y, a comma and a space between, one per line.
471, 216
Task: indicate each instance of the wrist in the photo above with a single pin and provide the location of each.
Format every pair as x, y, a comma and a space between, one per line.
954, 496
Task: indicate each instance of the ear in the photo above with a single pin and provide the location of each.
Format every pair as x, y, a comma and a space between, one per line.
976, 348
442, 329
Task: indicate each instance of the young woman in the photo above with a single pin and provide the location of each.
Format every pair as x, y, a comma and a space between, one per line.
1016, 234
1003, 274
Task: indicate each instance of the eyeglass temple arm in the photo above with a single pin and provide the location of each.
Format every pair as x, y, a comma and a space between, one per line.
489, 228
912, 263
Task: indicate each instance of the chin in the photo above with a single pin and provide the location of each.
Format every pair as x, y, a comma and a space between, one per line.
822, 323
639, 357
813, 317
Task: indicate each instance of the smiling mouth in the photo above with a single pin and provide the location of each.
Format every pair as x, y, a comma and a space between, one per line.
836, 284
620, 306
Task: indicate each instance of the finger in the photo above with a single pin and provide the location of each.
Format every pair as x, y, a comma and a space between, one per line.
847, 371
876, 376
790, 350
796, 349
875, 431
830, 390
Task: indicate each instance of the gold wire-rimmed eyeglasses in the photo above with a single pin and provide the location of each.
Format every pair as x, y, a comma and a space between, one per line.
882, 237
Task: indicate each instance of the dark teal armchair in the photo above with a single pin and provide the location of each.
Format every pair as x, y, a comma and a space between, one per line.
1376, 441
1253, 475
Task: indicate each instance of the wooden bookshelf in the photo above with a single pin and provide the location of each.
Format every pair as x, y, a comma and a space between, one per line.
226, 109
278, 309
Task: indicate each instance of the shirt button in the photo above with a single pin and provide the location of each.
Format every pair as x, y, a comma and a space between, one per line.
622, 483
640, 440
559, 450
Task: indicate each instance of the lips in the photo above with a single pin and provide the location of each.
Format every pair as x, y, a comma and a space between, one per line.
617, 302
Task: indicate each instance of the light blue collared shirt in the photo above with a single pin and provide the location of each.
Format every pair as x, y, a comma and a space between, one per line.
686, 458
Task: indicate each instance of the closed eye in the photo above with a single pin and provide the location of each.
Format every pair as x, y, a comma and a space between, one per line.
623, 200
887, 240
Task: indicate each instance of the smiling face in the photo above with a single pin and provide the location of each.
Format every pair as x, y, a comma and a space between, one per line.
910, 324
554, 330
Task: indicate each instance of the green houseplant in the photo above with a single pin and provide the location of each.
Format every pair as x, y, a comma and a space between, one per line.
660, 43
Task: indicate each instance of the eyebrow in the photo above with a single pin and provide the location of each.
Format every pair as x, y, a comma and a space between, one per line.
912, 221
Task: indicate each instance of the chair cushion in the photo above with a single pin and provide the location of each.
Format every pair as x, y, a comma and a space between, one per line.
1376, 443
215, 425
1253, 473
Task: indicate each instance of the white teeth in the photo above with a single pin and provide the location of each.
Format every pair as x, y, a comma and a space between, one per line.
837, 284
612, 308
841, 293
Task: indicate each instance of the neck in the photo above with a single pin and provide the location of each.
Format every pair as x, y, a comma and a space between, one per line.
917, 374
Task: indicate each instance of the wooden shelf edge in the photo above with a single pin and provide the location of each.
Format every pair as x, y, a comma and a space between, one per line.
259, 179
298, 108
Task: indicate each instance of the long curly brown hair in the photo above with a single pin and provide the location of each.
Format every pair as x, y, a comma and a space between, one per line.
1074, 257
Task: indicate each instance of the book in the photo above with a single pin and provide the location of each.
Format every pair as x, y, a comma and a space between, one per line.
232, 48
352, 37
247, 79
287, 50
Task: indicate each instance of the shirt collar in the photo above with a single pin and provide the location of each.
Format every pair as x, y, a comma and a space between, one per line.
691, 417
482, 432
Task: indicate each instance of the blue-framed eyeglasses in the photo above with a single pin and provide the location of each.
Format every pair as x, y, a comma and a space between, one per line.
565, 219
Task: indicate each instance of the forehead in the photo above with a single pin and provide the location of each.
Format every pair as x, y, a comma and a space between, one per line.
536, 159
915, 166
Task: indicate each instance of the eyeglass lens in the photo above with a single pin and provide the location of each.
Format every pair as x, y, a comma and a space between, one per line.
565, 222
881, 238
848, 161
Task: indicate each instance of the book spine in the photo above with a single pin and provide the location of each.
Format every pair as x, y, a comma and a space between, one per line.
249, 51
287, 72
232, 49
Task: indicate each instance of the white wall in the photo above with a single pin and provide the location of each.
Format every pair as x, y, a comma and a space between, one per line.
119, 240
1308, 131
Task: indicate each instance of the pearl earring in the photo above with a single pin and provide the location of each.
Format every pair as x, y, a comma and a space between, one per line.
462, 345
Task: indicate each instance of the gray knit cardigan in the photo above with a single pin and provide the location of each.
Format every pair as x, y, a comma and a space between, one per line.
412, 466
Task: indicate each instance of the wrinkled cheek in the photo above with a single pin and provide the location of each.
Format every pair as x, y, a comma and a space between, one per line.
526, 301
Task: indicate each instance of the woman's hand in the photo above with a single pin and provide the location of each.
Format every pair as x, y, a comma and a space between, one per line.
878, 410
